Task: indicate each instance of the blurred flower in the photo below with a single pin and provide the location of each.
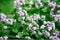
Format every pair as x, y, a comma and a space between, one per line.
43, 26
43, 16
58, 6
46, 33
31, 2
34, 28
30, 19
20, 13
27, 37
58, 11
57, 17
2, 17
33, 32
9, 21
1, 38
54, 38
17, 36
15, 20
5, 27
30, 25
23, 18
36, 17
5, 37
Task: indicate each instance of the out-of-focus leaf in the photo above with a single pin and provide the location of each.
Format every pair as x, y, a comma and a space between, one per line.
6, 6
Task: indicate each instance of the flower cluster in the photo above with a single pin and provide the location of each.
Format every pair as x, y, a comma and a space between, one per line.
30, 21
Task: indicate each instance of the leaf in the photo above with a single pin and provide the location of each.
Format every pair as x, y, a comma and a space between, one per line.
15, 30
20, 34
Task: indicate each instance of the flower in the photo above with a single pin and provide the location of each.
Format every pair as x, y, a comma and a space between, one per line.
31, 2
27, 37
9, 21
49, 28
58, 11
57, 17
25, 12
20, 13
58, 6
33, 32
34, 28
1, 38
3, 17
36, 17
54, 38
23, 18
16, 3
46, 32
51, 25
6, 37
15, 20
43, 26
5, 27
30, 25
43, 16
17, 36
30, 19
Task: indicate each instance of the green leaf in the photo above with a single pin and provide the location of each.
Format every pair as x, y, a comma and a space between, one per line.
20, 34
15, 30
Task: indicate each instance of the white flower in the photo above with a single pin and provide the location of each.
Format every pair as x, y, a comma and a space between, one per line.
17, 36
30, 19
51, 25
3, 17
27, 37
1, 38
43, 26
52, 4
20, 13
57, 33
31, 2
9, 21
16, 3
36, 5
5, 27
46, 32
23, 2
25, 12
23, 18
15, 20
34, 28
58, 11
58, 6
28, 28
19, 8
30, 25
49, 28
54, 38
33, 32
6, 37
43, 16
44, 22
57, 17
36, 17
51, 13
